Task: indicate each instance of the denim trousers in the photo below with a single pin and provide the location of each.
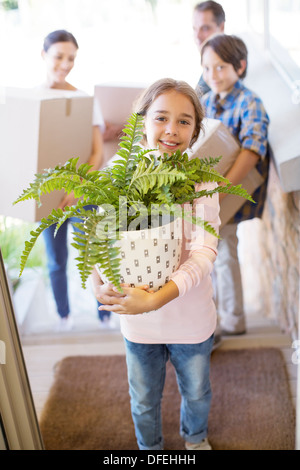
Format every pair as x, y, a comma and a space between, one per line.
57, 258
146, 369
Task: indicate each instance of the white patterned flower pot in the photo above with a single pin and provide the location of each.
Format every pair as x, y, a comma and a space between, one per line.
150, 256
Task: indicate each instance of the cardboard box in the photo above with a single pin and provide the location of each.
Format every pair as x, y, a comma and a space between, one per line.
217, 141
40, 129
116, 103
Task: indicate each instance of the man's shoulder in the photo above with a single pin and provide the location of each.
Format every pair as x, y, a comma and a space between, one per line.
202, 87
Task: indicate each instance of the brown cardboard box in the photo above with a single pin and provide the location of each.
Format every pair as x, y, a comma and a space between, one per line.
216, 141
116, 104
39, 129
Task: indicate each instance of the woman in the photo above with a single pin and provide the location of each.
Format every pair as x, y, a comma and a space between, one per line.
59, 53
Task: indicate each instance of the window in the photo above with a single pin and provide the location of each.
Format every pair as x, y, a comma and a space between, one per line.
284, 20
277, 23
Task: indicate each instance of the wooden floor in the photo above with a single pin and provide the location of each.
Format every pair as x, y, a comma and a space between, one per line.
42, 352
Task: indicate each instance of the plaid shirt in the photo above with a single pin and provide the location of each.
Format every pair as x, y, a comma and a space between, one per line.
246, 118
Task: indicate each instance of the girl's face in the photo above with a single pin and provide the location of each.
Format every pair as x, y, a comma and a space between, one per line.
170, 122
219, 75
59, 60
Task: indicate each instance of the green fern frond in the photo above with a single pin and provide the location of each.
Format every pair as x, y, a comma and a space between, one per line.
128, 150
110, 262
237, 190
67, 213
81, 181
33, 191
95, 249
210, 161
205, 225
147, 177
228, 189
201, 172
199, 222
53, 218
134, 130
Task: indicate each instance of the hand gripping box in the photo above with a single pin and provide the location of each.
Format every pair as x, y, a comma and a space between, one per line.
116, 102
39, 129
217, 141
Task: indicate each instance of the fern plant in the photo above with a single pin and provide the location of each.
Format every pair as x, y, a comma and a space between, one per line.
137, 185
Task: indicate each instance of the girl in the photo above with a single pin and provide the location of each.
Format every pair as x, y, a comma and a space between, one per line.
224, 61
59, 53
181, 317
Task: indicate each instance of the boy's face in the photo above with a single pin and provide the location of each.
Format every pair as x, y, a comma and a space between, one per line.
170, 122
219, 75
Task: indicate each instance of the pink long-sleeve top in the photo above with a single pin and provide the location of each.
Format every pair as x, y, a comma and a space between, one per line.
191, 317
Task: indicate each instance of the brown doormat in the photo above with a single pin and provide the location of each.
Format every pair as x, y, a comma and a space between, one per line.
88, 406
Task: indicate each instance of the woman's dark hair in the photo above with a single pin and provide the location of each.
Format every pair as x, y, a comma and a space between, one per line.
60, 35
230, 49
215, 8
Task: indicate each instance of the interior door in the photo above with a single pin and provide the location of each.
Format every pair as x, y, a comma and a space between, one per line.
19, 429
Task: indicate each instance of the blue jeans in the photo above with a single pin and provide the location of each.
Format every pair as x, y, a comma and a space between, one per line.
57, 257
146, 368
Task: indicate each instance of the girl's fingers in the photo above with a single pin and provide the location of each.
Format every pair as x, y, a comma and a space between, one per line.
113, 308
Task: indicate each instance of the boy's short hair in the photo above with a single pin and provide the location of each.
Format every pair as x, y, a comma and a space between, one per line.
230, 49
215, 8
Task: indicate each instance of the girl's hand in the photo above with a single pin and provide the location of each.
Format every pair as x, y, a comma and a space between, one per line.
106, 293
132, 301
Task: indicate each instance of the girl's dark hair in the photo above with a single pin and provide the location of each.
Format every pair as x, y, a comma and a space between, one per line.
230, 49
168, 84
60, 35
215, 8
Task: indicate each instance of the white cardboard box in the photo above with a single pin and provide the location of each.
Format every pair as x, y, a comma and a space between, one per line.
116, 103
217, 141
39, 129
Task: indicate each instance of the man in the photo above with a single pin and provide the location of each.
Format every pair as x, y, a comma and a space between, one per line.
208, 19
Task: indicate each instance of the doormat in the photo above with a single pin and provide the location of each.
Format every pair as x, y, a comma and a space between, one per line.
88, 407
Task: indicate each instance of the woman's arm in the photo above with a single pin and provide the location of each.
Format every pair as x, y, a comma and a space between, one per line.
96, 157
112, 131
95, 160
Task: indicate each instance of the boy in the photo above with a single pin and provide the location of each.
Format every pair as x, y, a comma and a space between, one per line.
224, 61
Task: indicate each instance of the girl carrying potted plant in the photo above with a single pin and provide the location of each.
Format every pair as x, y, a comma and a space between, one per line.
181, 315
